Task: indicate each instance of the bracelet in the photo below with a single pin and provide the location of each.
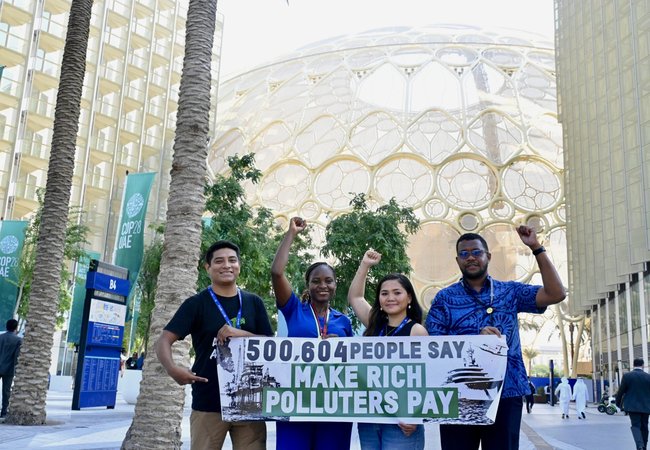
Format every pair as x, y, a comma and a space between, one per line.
539, 250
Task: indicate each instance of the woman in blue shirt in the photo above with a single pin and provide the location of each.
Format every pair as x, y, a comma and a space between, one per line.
311, 317
395, 312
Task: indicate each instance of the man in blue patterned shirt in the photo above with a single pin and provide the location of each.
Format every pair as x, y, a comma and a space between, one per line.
478, 304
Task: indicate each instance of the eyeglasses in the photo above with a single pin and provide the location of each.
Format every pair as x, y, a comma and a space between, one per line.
476, 253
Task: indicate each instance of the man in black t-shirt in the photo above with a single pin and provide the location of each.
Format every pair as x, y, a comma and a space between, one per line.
212, 317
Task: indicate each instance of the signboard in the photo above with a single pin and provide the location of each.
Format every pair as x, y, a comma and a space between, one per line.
12, 238
102, 332
451, 379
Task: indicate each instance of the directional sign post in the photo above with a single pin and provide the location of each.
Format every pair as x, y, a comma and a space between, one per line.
102, 331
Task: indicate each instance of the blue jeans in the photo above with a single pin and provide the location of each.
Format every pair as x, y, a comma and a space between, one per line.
313, 435
384, 436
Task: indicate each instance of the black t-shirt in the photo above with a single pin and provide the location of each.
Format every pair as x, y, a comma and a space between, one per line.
200, 317
405, 331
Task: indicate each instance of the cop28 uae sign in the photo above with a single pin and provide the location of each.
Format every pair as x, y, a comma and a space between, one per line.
451, 379
12, 238
129, 242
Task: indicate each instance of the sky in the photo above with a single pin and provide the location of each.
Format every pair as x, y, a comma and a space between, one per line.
258, 31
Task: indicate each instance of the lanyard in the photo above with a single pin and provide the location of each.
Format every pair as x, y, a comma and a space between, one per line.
322, 331
385, 332
223, 312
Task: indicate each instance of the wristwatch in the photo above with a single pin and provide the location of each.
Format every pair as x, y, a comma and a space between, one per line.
539, 250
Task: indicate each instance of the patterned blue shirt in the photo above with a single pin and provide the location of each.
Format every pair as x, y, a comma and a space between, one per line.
459, 309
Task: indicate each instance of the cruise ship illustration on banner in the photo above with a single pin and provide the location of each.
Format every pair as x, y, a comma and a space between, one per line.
473, 381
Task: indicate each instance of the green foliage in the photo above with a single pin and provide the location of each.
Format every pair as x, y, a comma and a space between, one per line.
540, 370
253, 230
75, 240
146, 285
349, 235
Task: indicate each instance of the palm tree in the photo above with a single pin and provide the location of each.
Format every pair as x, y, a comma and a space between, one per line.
159, 409
27, 404
529, 353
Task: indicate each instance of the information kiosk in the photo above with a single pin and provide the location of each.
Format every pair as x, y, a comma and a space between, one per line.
102, 330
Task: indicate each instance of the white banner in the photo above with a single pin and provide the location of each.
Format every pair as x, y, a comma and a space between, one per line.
451, 379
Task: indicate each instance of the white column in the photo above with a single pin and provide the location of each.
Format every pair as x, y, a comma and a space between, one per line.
644, 319
630, 337
600, 346
610, 368
619, 347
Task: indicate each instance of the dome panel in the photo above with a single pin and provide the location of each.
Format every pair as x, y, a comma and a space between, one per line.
531, 185
375, 137
435, 135
338, 182
467, 183
408, 181
458, 122
285, 187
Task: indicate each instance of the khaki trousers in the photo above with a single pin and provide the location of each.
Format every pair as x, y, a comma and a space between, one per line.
208, 432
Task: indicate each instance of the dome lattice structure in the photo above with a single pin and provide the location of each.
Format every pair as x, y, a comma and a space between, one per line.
458, 123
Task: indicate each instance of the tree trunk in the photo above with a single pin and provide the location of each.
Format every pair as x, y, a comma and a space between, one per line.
565, 350
159, 410
27, 404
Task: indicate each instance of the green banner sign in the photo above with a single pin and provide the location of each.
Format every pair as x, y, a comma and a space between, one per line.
12, 238
78, 297
129, 244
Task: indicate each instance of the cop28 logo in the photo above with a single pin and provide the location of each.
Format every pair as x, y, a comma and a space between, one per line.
8, 245
134, 205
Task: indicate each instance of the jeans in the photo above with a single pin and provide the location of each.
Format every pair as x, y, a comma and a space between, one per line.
384, 436
313, 435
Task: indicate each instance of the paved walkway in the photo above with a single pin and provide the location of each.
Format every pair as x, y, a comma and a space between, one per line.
98, 428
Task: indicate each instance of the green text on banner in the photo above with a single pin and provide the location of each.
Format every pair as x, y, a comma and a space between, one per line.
12, 238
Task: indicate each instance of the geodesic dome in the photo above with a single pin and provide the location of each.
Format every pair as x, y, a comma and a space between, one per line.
458, 123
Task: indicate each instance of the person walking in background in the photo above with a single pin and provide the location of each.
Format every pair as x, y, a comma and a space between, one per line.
9, 350
563, 392
123, 359
314, 318
479, 304
580, 396
213, 316
139, 364
634, 396
132, 362
395, 312
530, 397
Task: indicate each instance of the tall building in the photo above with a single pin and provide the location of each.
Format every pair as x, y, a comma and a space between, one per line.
603, 61
128, 109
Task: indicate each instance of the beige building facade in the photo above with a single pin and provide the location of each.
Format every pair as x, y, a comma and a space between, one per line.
128, 109
603, 64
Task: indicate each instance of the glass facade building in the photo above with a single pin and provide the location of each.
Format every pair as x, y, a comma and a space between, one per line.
603, 60
457, 122
128, 108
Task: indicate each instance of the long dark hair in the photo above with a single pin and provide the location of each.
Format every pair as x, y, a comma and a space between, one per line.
378, 319
305, 294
